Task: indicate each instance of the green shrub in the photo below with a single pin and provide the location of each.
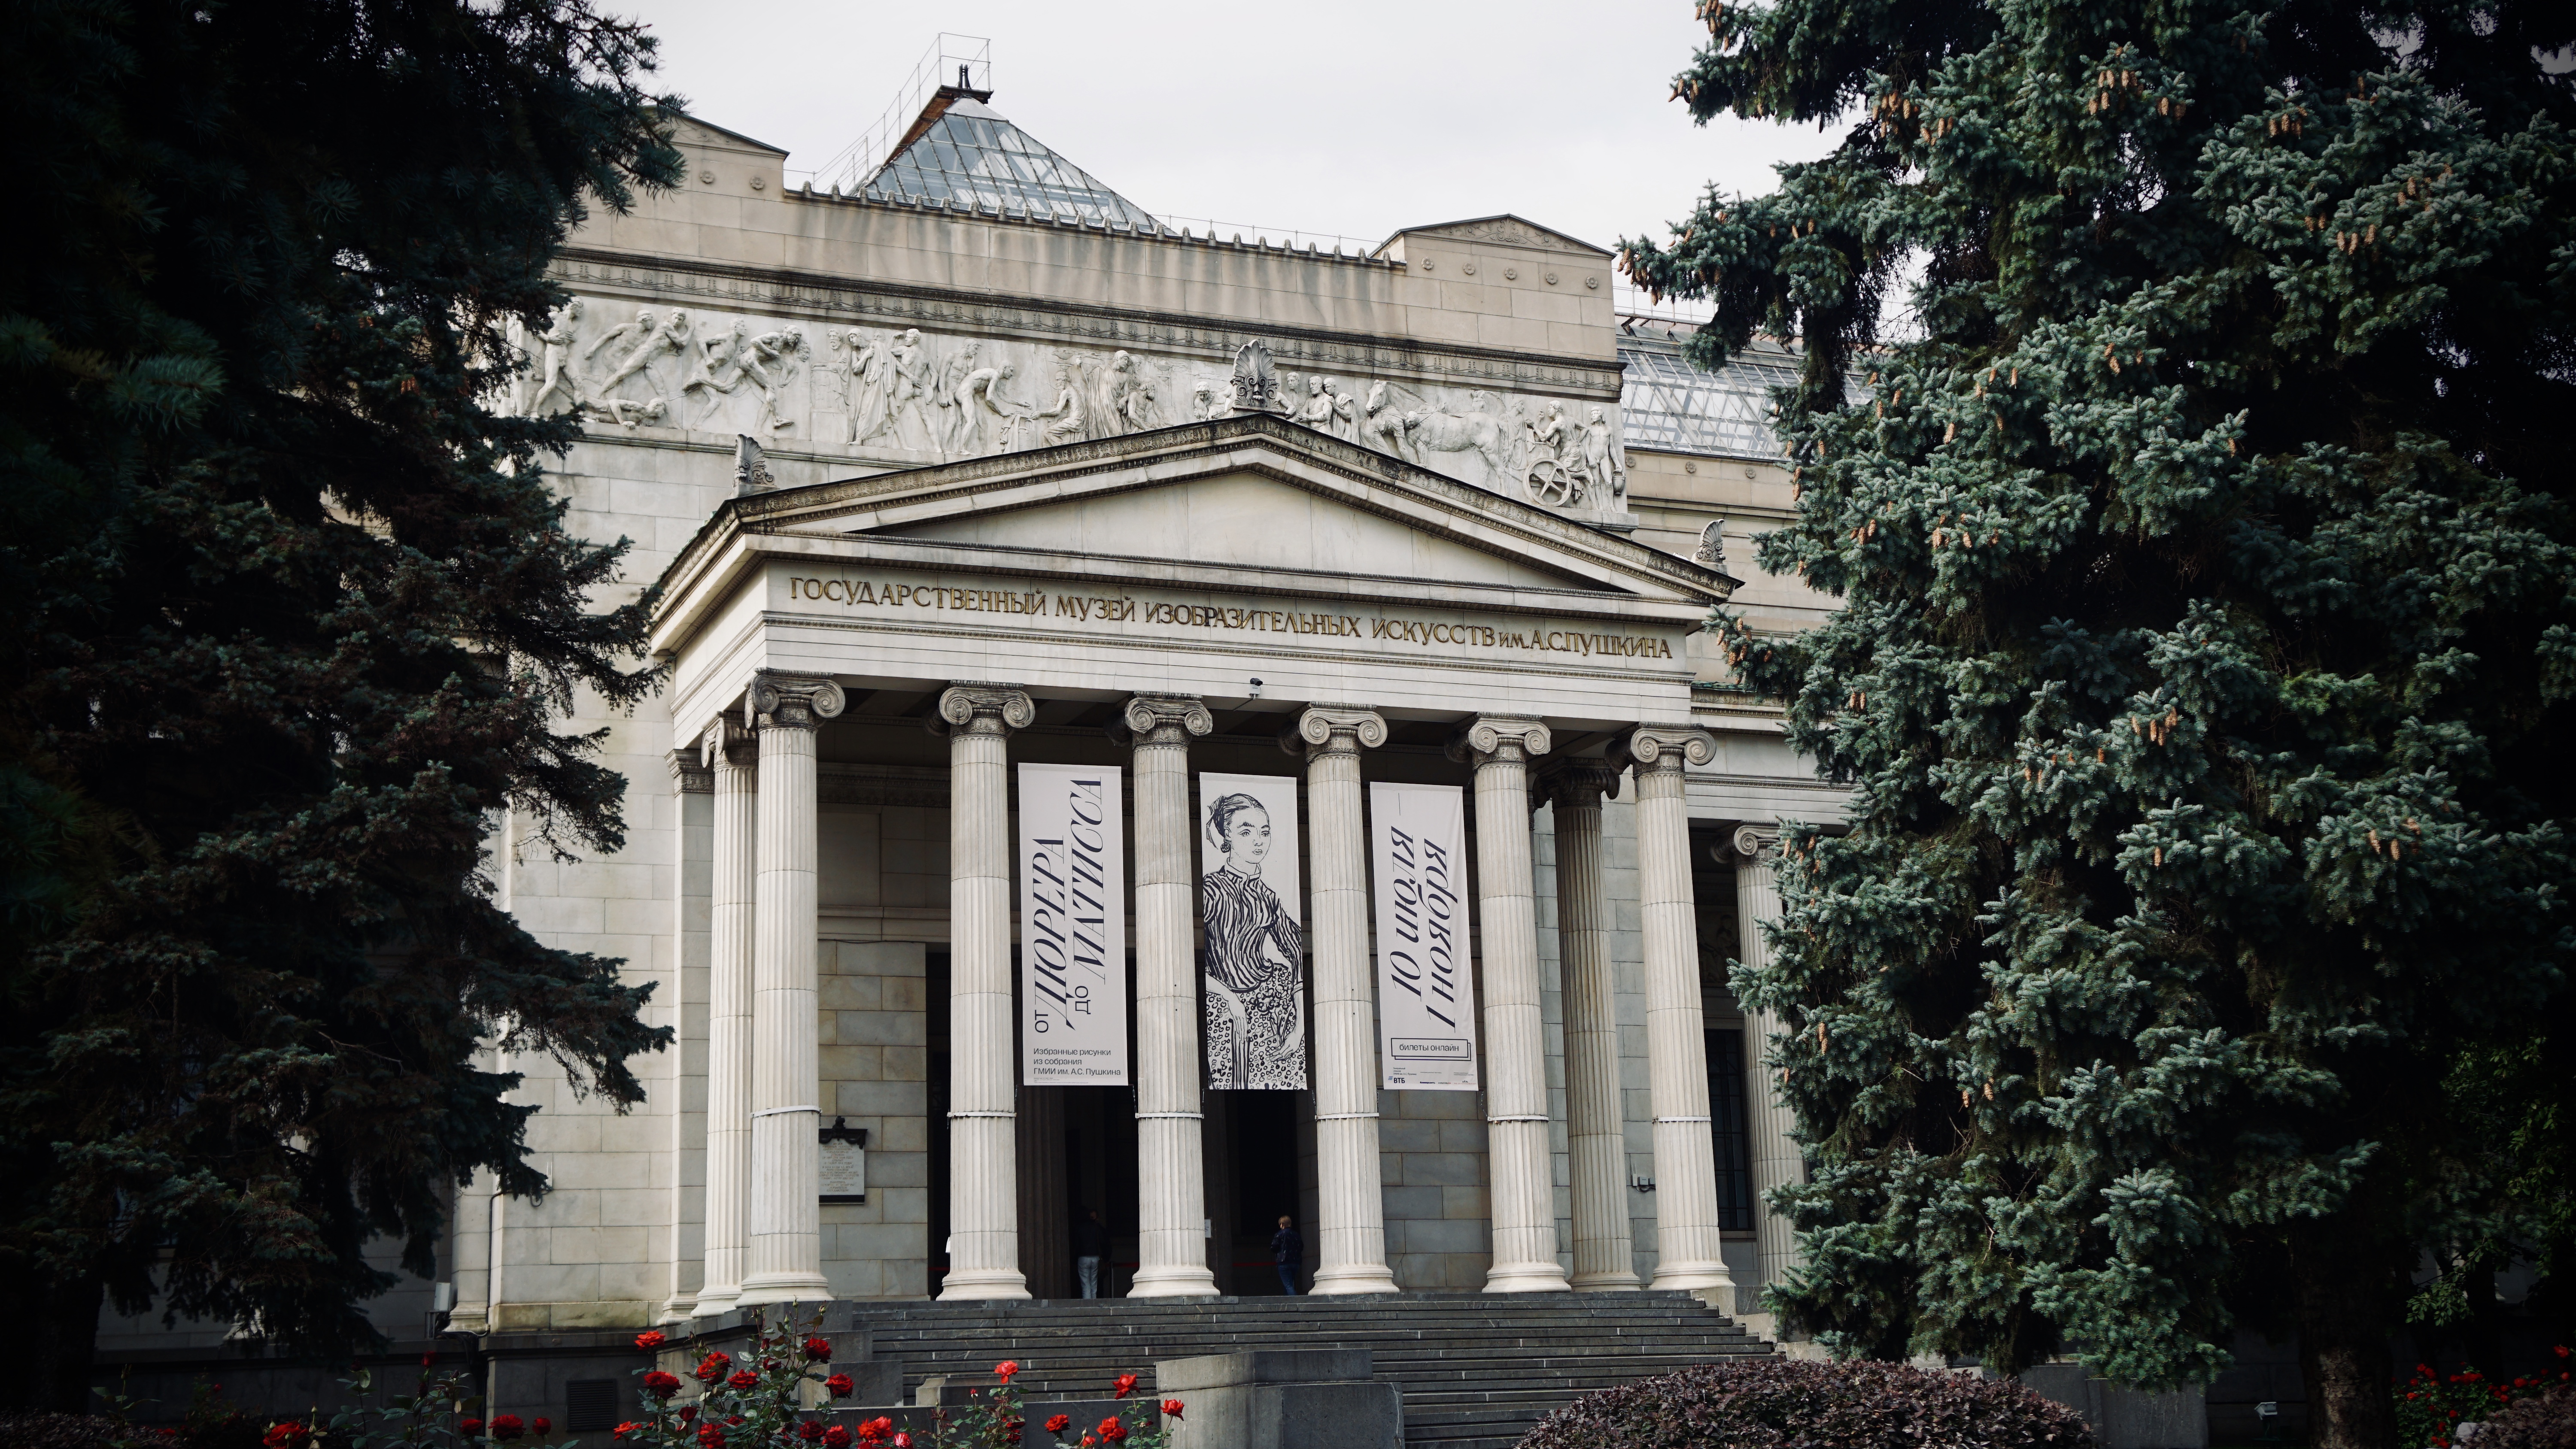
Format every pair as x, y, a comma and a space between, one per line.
1771, 1403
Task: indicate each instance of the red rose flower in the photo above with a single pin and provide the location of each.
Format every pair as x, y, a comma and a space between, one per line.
688, 1412
1059, 1423
629, 1427
507, 1427
710, 1437
1125, 1385
283, 1436
1005, 1369
810, 1430
542, 1427
713, 1367
838, 1386
470, 1428
1171, 1408
1111, 1431
880, 1426
429, 1358
818, 1349
733, 1418
661, 1385
903, 1441
836, 1437
744, 1379
650, 1339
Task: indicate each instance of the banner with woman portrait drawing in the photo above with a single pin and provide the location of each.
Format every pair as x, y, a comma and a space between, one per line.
1252, 977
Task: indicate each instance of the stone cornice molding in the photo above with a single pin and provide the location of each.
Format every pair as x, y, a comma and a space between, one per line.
1665, 746
1334, 728
1161, 721
1575, 782
840, 300
978, 707
690, 774
779, 701
1515, 737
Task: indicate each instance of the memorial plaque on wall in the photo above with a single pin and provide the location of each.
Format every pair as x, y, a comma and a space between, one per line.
1252, 987
843, 1157
1426, 998
1073, 927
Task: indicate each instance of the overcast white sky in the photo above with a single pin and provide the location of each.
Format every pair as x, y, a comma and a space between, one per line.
1321, 115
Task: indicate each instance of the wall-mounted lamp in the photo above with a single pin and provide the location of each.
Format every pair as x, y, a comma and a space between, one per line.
1642, 1184
1256, 690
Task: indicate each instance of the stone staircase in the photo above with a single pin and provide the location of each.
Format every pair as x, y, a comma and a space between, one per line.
1477, 1372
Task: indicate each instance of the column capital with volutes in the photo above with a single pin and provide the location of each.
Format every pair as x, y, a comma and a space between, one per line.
1161, 720
1517, 738
1575, 781
1658, 747
1760, 843
781, 701
727, 741
1327, 729
691, 774
973, 707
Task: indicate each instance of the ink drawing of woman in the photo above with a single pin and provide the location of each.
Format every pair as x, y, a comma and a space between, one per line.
1255, 995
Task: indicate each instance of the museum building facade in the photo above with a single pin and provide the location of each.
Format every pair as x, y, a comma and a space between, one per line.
1180, 729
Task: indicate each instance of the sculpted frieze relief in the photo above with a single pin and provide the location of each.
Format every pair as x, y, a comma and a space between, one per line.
890, 307
914, 395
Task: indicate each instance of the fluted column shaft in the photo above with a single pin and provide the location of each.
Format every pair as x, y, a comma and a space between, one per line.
1350, 1228
1522, 1188
784, 1248
1686, 1233
1605, 1255
1171, 1191
1776, 1158
983, 1185
735, 760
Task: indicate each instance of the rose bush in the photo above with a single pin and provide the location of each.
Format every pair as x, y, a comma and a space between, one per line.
2431, 1407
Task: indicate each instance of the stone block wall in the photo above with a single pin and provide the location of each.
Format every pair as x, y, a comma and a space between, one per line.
875, 1062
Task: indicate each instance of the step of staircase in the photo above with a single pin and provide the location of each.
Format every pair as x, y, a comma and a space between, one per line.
1476, 1372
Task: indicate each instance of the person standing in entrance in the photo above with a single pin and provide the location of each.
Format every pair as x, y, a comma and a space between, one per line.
1090, 1249
1288, 1251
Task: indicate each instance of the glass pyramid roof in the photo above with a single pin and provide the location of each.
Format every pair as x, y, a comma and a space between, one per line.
972, 154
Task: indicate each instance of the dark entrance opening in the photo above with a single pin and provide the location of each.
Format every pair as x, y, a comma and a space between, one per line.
1261, 1135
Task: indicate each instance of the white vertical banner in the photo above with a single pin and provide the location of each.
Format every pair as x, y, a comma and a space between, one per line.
1073, 927
1426, 998
1252, 986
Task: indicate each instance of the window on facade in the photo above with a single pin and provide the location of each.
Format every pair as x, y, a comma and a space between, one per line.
1726, 1123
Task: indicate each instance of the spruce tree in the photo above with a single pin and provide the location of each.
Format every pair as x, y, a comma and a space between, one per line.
289, 616
2203, 664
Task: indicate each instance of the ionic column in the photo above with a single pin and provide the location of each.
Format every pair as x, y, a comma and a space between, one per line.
1171, 1193
1776, 1158
1522, 1189
693, 801
1605, 1256
783, 1257
1350, 1215
731, 753
1686, 1241
983, 1189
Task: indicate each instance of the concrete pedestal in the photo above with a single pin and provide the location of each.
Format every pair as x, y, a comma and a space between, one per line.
1282, 1399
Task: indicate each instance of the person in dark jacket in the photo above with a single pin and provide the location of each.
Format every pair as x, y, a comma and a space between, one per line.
1090, 1250
1288, 1251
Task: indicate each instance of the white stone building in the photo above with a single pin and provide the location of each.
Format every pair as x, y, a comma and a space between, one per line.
1008, 508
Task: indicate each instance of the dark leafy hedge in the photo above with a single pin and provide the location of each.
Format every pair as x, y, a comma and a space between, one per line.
56, 1431
1772, 1403
2543, 1421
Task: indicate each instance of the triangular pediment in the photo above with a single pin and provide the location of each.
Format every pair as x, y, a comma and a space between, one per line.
1504, 230
1252, 502
688, 130
1248, 520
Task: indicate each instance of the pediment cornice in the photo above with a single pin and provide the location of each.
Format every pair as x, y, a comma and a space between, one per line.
1354, 477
